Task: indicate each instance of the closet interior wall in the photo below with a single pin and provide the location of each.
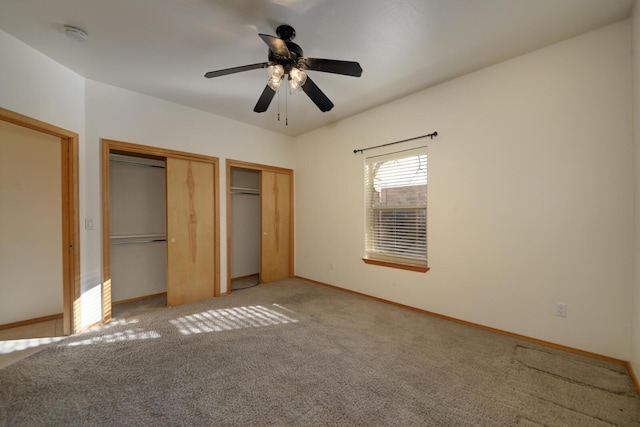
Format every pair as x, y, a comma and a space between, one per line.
245, 222
137, 207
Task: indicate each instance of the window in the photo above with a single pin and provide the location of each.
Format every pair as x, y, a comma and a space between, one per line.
396, 210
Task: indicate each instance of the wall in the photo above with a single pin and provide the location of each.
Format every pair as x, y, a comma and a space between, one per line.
530, 195
635, 37
34, 85
38, 87
530, 184
122, 115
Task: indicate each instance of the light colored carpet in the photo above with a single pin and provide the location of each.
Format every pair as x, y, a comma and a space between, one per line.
296, 354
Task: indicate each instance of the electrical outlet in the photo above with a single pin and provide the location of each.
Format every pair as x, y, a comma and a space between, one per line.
331, 265
561, 309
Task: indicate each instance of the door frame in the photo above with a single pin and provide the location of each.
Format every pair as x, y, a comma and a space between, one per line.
127, 148
257, 167
71, 318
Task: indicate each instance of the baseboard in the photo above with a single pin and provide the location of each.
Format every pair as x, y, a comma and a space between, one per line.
31, 321
633, 376
124, 301
488, 328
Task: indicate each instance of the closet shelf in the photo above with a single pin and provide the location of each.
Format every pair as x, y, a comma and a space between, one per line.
136, 161
137, 238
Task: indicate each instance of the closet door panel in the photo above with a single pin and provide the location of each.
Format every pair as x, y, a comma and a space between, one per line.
275, 243
190, 231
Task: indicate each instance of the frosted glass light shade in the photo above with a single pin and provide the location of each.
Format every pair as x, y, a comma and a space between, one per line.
275, 73
297, 78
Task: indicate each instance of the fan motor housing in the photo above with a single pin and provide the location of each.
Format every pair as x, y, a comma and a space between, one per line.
286, 32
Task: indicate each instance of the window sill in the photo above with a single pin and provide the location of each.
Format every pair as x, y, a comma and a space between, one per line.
410, 267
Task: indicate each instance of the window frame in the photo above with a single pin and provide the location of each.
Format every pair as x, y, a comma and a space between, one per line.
384, 259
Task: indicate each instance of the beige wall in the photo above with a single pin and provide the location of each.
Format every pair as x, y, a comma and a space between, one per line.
530, 195
635, 37
30, 224
531, 184
53, 94
122, 115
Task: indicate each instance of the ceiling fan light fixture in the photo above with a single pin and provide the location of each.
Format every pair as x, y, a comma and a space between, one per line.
274, 83
297, 79
275, 72
287, 58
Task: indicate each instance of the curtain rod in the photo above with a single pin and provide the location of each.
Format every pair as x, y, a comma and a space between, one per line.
430, 135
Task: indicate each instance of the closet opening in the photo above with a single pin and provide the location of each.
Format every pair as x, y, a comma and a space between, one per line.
245, 228
137, 224
160, 228
259, 224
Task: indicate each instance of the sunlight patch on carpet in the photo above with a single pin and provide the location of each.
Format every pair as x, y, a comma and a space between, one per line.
10, 346
226, 319
119, 322
128, 335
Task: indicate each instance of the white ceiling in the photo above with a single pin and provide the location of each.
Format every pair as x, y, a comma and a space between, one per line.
163, 48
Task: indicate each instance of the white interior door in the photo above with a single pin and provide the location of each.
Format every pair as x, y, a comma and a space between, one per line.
31, 262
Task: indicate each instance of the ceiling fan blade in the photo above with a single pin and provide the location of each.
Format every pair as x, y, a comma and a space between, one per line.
276, 45
317, 96
347, 68
233, 70
264, 100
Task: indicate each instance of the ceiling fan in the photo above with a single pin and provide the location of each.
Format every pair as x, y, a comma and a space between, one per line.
286, 60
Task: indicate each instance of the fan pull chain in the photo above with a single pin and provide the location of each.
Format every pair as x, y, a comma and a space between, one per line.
286, 109
278, 105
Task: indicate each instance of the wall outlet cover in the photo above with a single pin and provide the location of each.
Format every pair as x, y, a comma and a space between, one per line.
561, 309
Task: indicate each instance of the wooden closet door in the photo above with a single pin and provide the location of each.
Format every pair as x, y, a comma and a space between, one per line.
276, 250
190, 231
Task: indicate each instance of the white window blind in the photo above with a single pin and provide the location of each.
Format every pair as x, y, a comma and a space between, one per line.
396, 207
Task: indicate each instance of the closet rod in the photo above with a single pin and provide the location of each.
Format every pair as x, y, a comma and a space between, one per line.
127, 242
137, 238
137, 163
